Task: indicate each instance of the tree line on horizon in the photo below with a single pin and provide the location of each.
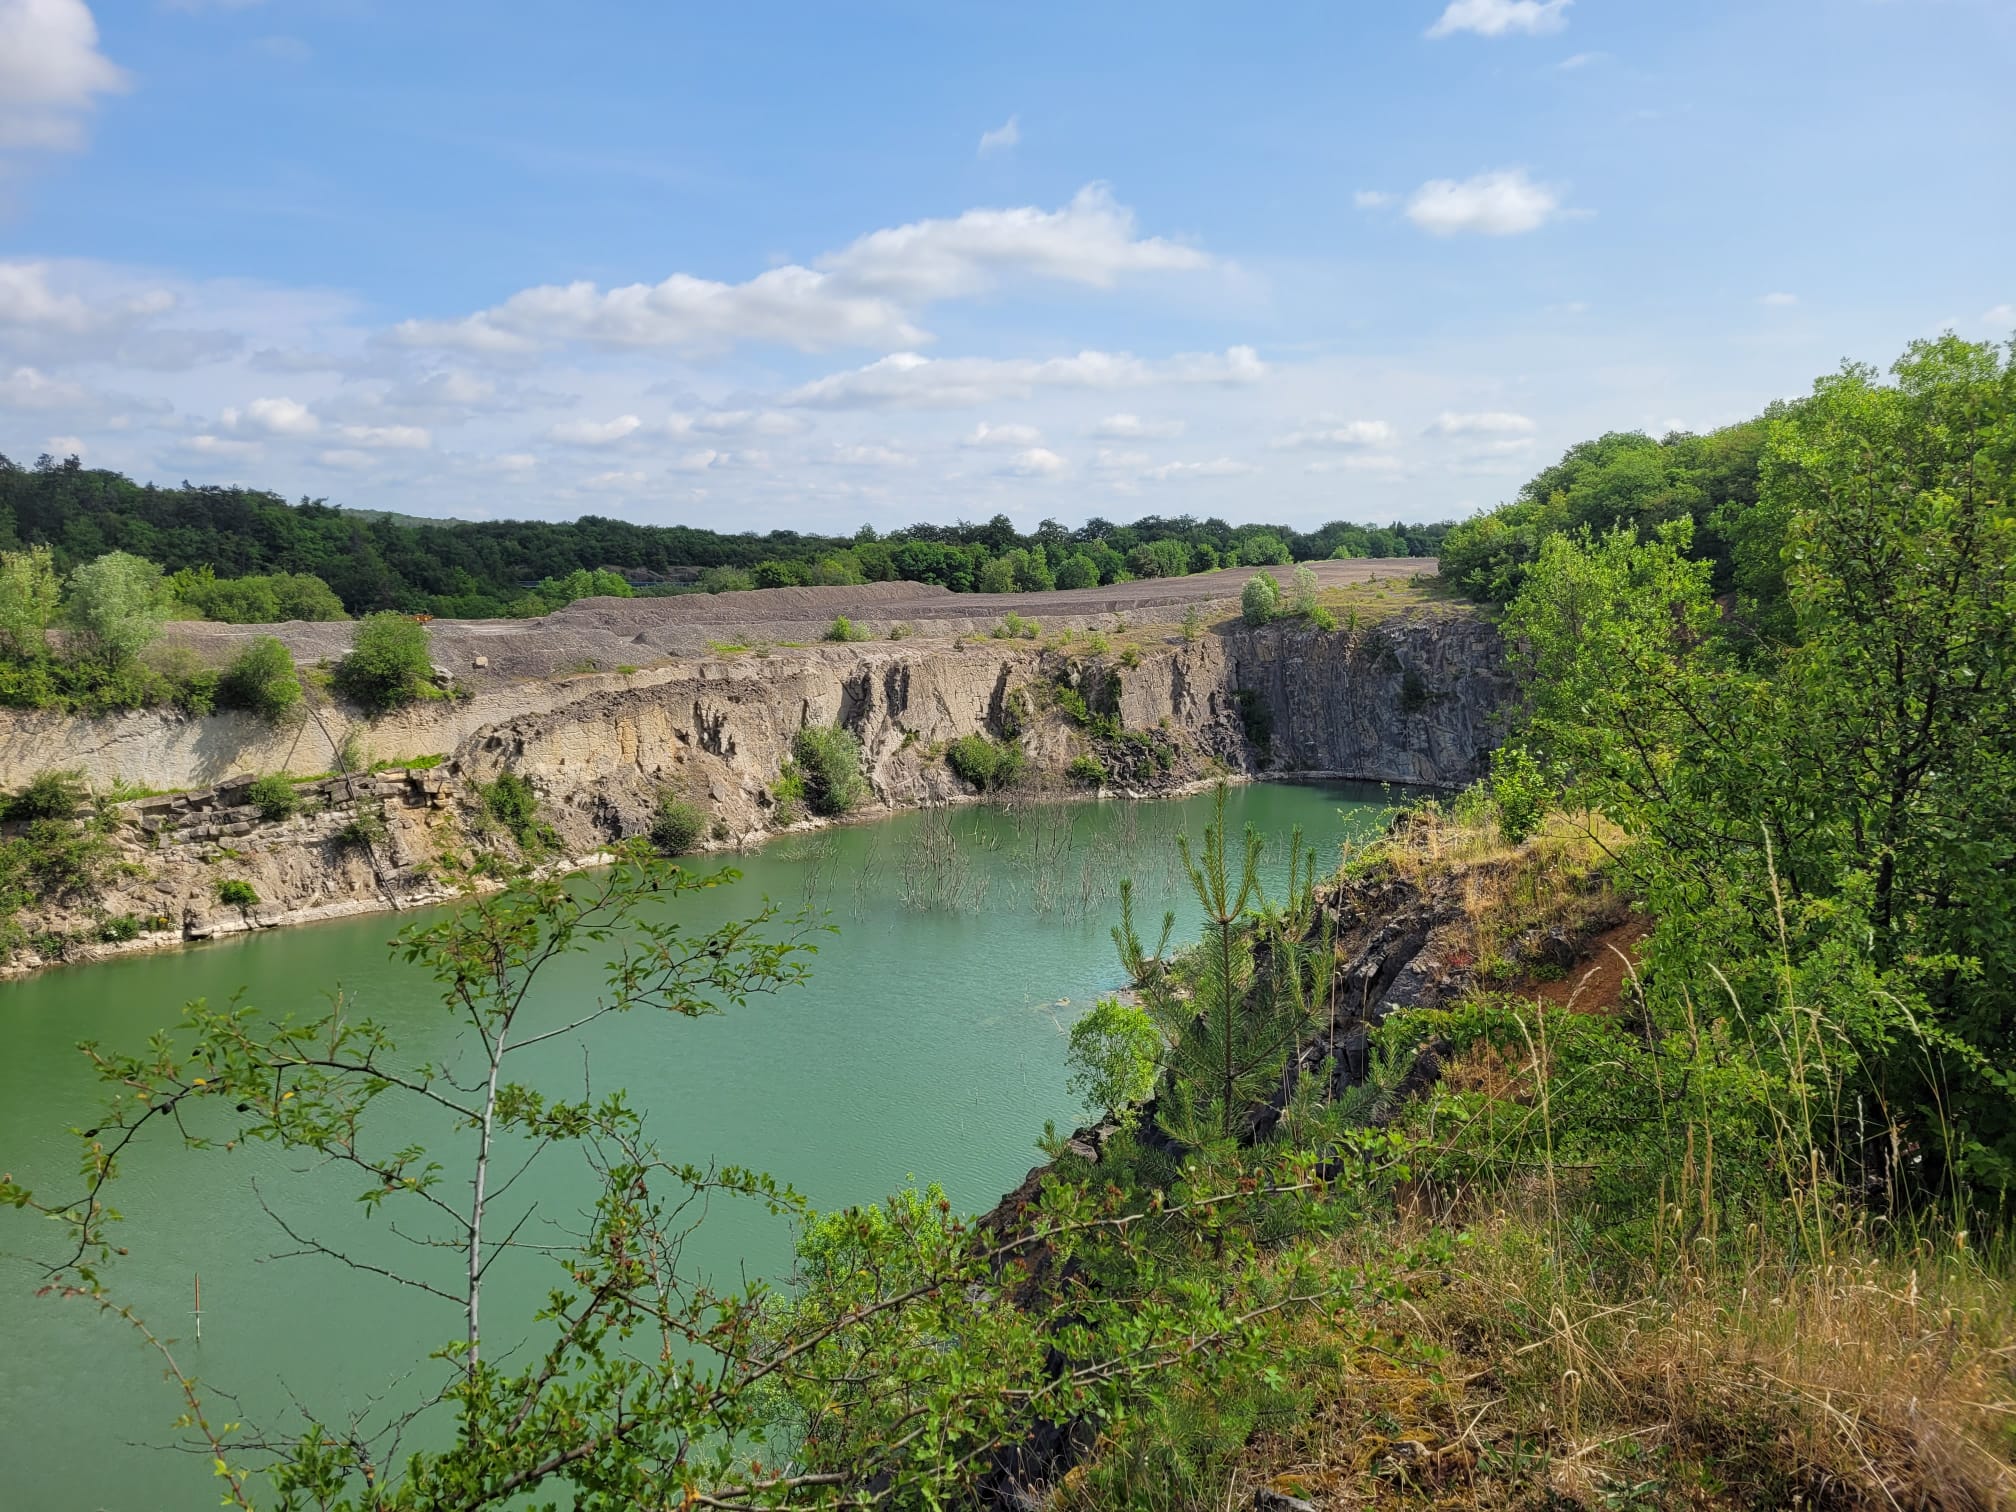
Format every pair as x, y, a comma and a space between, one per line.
457, 569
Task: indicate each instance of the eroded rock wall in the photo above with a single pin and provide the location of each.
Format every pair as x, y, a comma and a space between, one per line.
1413, 700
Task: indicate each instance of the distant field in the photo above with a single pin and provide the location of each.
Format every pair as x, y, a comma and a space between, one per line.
605, 634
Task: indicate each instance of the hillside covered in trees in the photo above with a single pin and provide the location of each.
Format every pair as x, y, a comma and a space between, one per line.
474, 570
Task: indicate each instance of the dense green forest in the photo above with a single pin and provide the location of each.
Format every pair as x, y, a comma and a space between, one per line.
466, 570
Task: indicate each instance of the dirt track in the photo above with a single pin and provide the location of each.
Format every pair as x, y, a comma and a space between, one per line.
607, 633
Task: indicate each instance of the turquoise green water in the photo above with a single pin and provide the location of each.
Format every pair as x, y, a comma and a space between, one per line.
929, 1042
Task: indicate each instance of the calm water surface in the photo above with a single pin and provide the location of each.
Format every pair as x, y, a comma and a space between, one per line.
930, 1042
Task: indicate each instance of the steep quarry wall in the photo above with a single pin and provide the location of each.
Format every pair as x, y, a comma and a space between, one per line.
1413, 699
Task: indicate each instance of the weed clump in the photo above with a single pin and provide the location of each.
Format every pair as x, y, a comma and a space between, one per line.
989, 765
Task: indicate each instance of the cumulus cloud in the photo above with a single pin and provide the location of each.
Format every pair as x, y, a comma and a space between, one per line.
908, 380
1371, 199
984, 434
867, 294
1778, 299
273, 417
1502, 203
1037, 462
788, 306
1501, 18
594, 432
1002, 137
615, 480
1329, 433
2002, 315
1481, 424
66, 446
51, 72
28, 301
1134, 428
27, 389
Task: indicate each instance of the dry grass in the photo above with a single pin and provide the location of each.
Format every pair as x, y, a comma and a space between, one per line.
1515, 1382
1558, 884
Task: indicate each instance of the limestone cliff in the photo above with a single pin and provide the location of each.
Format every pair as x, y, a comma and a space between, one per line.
1410, 700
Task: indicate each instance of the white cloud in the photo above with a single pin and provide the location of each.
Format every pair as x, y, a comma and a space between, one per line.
1486, 424
276, 417
1499, 18
869, 455
1778, 299
1328, 433
2002, 315
594, 432
1090, 241
1217, 467
27, 389
866, 294
615, 480
27, 300
907, 379
66, 446
1372, 199
789, 306
51, 72
737, 422
1502, 203
388, 437
1134, 428
1002, 137
220, 446
984, 434
1037, 462
1109, 460
1580, 60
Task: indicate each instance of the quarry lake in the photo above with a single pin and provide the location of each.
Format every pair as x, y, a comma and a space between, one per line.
929, 1043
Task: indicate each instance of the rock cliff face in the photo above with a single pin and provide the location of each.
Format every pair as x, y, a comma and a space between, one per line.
1417, 699
1412, 700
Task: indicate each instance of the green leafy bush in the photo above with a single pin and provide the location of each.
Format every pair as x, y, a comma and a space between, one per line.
1260, 599
988, 765
829, 761
1193, 624
511, 801
678, 825
1114, 1055
114, 606
118, 929
275, 796
1089, 770
236, 892
845, 630
262, 680
1520, 790
1014, 626
49, 795
388, 664
364, 829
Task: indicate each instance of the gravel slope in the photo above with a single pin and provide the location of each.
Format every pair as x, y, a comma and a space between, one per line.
612, 632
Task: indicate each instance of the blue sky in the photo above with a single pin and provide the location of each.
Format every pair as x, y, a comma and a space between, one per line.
811, 265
